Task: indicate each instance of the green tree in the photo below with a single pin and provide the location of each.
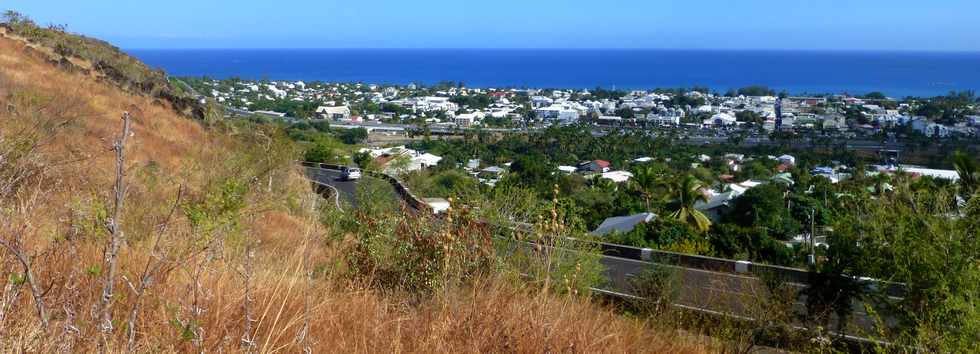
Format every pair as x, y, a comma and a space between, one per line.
756, 91
764, 206
749, 117
966, 167
684, 193
915, 241
353, 136
363, 159
646, 179
324, 150
322, 126
875, 96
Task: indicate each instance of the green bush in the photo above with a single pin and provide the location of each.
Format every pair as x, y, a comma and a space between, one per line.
326, 150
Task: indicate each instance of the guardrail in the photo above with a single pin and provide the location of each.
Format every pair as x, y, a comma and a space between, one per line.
400, 188
721, 265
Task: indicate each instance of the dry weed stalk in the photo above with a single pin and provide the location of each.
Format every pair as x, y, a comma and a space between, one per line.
302, 338
11, 293
115, 230
248, 343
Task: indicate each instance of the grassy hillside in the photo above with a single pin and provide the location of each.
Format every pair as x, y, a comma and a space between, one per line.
99, 60
223, 246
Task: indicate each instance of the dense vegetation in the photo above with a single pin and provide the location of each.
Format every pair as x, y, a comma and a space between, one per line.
926, 237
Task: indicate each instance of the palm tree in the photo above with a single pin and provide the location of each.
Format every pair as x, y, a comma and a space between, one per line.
684, 193
603, 185
966, 167
645, 180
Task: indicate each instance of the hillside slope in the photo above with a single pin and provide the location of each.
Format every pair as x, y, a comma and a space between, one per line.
221, 251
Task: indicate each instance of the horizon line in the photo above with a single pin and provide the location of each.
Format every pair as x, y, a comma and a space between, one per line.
840, 50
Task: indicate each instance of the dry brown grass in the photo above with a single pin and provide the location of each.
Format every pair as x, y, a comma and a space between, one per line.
196, 300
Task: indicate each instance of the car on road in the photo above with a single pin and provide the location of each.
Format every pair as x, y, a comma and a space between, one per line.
350, 173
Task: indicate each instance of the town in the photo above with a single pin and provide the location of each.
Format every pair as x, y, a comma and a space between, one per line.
753, 110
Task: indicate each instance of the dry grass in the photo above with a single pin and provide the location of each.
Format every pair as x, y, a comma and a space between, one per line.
195, 302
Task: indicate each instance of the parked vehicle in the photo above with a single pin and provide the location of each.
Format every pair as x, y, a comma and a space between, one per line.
350, 173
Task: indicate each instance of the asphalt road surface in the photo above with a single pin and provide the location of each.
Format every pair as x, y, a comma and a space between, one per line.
346, 188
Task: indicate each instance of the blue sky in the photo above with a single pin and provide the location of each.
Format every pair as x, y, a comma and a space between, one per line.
945, 25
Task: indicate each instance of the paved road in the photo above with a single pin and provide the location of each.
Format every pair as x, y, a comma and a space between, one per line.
333, 178
741, 295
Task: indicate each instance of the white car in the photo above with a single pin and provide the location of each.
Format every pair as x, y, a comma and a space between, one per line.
350, 173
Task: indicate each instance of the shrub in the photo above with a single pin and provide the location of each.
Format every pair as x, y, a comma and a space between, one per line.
419, 254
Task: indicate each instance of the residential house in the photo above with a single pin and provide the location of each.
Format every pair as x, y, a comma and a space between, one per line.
567, 169
465, 120
335, 113
720, 119
428, 160
930, 129
596, 166
717, 205
659, 119
491, 175
617, 176
741, 188
622, 224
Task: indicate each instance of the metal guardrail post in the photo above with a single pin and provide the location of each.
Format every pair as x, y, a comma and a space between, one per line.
742, 266
646, 254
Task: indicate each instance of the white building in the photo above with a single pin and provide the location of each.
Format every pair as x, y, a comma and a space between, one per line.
277, 92
664, 119
336, 113
428, 160
720, 119
541, 101
930, 129
787, 160
466, 120
559, 112
617, 176
433, 103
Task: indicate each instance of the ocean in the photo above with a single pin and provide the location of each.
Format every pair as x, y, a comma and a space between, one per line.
897, 74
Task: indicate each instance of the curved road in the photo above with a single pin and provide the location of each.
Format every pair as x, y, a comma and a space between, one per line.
333, 178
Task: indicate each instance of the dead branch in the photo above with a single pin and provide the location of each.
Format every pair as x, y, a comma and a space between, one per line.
115, 232
15, 247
